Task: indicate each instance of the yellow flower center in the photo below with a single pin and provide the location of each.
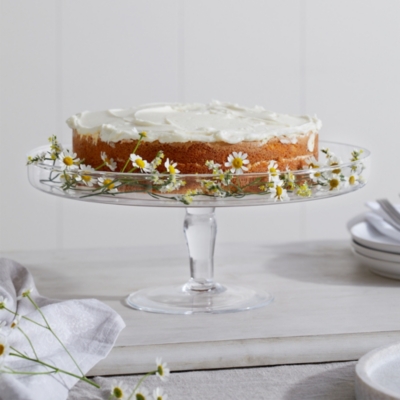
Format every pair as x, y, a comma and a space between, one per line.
171, 169
333, 183
272, 171
313, 165
2, 349
117, 392
86, 178
352, 180
139, 396
336, 171
140, 163
143, 134
279, 191
160, 370
237, 163
317, 174
108, 183
13, 325
159, 398
68, 161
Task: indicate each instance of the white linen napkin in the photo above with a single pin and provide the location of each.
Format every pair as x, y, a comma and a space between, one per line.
88, 328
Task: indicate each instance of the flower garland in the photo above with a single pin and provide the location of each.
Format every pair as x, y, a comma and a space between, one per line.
75, 175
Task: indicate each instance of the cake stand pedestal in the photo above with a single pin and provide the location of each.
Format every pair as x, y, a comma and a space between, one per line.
201, 294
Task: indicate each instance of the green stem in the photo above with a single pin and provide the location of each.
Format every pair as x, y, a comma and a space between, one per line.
134, 151
82, 378
13, 372
140, 382
23, 316
101, 165
30, 343
54, 334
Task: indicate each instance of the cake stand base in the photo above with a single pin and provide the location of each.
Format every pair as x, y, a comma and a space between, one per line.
182, 300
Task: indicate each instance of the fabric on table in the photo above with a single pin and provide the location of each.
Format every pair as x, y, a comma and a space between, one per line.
87, 327
331, 381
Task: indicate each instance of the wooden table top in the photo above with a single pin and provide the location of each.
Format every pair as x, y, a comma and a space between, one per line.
327, 307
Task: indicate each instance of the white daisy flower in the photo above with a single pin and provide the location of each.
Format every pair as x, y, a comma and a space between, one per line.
171, 167
25, 293
4, 348
334, 163
141, 394
138, 162
278, 192
16, 322
119, 390
108, 161
353, 180
213, 166
236, 162
273, 171
335, 183
86, 177
68, 160
3, 302
162, 369
158, 394
109, 184
313, 163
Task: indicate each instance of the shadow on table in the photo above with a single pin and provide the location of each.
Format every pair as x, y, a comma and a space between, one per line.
324, 263
332, 384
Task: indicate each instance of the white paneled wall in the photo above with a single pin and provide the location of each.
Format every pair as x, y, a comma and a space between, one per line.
338, 59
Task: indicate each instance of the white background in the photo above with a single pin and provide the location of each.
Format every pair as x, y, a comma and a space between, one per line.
337, 59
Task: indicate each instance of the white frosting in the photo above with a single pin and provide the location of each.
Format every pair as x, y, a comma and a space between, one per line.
174, 122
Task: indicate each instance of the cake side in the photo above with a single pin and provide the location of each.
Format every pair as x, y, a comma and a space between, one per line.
191, 156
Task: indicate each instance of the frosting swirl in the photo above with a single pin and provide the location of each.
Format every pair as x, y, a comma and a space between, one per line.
176, 122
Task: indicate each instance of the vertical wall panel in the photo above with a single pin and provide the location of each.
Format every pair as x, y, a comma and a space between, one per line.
353, 84
28, 218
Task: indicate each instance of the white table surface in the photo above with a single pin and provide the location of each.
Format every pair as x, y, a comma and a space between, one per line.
328, 307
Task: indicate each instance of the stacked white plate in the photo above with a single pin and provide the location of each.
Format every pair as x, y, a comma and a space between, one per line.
375, 249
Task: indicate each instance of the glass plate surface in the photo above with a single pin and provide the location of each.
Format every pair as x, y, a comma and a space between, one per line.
207, 190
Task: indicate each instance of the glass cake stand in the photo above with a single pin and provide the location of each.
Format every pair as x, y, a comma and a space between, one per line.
200, 194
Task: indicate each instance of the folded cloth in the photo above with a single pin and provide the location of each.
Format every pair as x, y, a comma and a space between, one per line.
88, 328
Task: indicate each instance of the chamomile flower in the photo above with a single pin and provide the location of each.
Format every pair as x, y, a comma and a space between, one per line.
15, 322
86, 177
108, 161
3, 302
237, 162
335, 183
25, 293
158, 394
353, 180
4, 348
157, 160
213, 166
108, 184
273, 171
304, 190
69, 161
278, 192
170, 166
162, 369
313, 163
141, 394
334, 162
138, 162
118, 390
